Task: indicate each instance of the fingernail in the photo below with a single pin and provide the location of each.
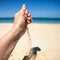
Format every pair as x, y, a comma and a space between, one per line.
23, 5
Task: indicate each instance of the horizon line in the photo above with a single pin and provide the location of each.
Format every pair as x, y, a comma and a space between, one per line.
32, 17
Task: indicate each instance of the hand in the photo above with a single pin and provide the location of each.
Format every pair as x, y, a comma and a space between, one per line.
22, 18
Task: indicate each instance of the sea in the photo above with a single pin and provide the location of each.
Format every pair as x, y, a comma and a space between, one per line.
34, 20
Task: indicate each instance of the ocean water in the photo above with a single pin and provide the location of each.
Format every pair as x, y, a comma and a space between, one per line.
35, 20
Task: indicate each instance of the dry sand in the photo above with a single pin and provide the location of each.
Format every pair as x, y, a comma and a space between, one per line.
45, 36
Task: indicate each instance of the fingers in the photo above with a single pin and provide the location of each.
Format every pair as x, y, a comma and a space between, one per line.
28, 17
27, 13
29, 20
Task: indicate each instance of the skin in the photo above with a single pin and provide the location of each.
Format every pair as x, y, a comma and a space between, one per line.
8, 41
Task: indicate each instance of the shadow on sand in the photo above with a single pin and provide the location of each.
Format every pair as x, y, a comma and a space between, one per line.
33, 52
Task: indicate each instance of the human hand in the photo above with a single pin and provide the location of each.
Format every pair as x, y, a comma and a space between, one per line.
22, 18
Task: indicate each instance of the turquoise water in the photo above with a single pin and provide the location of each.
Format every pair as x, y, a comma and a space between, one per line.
35, 20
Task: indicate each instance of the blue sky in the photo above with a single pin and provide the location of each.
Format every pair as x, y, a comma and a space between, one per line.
37, 8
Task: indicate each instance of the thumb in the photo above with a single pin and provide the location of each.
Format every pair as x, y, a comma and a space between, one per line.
24, 7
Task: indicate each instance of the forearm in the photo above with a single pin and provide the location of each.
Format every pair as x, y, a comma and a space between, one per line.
9, 50
6, 40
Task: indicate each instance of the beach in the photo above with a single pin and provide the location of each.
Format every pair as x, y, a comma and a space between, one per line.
45, 36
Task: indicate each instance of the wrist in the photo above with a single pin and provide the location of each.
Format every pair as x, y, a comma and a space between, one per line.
16, 28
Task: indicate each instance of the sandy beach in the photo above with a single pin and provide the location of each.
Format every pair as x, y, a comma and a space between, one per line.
44, 36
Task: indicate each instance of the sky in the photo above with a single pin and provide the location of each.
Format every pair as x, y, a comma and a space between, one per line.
37, 8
